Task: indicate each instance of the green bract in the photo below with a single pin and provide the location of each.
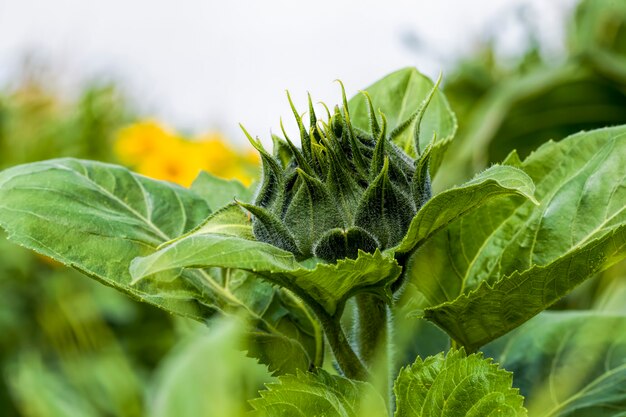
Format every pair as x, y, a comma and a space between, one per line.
345, 190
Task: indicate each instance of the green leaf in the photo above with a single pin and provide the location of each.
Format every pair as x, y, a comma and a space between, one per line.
500, 265
513, 159
207, 375
398, 96
568, 363
96, 218
494, 309
456, 385
229, 220
283, 353
296, 341
445, 207
202, 250
327, 284
319, 394
218, 192
280, 335
332, 284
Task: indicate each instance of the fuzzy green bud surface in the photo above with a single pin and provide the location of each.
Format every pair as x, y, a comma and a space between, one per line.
343, 191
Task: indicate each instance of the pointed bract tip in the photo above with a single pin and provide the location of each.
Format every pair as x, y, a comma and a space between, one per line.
256, 143
325, 108
384, 121
293, 107
282, 128
344, 100
305, 175
337, 80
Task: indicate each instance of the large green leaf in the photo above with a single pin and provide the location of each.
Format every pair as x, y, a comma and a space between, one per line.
200, 250
451, 204
319, 394
568, 364
327, 284
500, 265
96, 218
492, 310
456, 385
399, 95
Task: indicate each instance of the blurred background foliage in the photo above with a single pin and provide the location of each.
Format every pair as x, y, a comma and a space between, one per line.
519, 104
72, 347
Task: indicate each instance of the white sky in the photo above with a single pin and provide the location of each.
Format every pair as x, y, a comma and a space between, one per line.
201, 64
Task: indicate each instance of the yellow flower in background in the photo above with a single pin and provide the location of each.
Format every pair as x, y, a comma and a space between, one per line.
142, 140
154, 151
224, 161
217, 154
179, 162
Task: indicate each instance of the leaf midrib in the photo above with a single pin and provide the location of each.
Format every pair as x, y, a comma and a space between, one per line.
524, 226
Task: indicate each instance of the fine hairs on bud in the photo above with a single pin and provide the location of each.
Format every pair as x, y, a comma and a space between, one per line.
344, 190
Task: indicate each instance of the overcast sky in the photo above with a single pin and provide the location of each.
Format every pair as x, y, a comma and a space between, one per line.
201, 64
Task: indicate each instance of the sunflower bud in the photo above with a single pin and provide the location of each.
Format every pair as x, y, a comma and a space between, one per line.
343, 191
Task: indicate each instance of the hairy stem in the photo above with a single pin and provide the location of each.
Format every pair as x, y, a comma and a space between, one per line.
348, 361
346, 358
370, 327
372, 334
